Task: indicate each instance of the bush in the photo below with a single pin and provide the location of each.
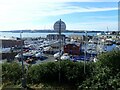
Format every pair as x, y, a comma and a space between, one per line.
11, 72
73, 72
70, 72
111, 60
106, 74
43, 73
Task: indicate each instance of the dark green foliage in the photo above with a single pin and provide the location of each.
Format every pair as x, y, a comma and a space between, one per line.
11, 72
70, 72
73, 72
43, 73
106, 75
111, 60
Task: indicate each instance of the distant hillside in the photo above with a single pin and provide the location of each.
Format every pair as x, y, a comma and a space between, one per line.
48, 31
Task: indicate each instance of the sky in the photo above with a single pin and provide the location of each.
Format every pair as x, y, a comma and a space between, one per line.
42, 14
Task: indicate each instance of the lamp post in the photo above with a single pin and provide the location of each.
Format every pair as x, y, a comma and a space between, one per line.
85, 52
59, 49
23, 73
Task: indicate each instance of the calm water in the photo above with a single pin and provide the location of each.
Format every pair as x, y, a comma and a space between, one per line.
10, 34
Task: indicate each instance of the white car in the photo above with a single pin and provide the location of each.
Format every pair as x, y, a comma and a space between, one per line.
57, 55
65, 56
18, 56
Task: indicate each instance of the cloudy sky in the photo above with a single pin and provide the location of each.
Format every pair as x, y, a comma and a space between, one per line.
42, 14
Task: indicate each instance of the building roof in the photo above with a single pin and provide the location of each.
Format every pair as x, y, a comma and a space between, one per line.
8, 38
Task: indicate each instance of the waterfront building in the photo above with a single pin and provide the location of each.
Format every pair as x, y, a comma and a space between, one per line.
55, 37
72, 49
76, 38
10, 42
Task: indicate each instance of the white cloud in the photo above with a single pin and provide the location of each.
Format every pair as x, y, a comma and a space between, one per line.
13, 11
93, 26
51, 1
68, 10
60, 1
81, 1
19, 13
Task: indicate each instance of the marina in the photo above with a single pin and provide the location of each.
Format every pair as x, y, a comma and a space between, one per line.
73, 47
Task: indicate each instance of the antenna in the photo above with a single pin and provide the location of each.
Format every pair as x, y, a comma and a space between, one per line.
107, 30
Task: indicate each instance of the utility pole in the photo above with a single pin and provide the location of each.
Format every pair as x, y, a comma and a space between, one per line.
23, 73
59, 50
85, 52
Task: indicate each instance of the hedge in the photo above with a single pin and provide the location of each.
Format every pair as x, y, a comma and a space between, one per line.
103, 74
70, 72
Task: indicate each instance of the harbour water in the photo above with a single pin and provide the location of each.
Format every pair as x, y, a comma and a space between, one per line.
11, 34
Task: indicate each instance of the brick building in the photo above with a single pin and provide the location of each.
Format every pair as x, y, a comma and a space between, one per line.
72, 49
8, 43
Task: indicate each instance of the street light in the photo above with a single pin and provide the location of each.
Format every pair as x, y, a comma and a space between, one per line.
85, 52
23, 73
59, 49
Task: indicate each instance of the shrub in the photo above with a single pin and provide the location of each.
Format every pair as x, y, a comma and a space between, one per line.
111, 60
43, 73
106, 74
11, 72
73, 72
70, 72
